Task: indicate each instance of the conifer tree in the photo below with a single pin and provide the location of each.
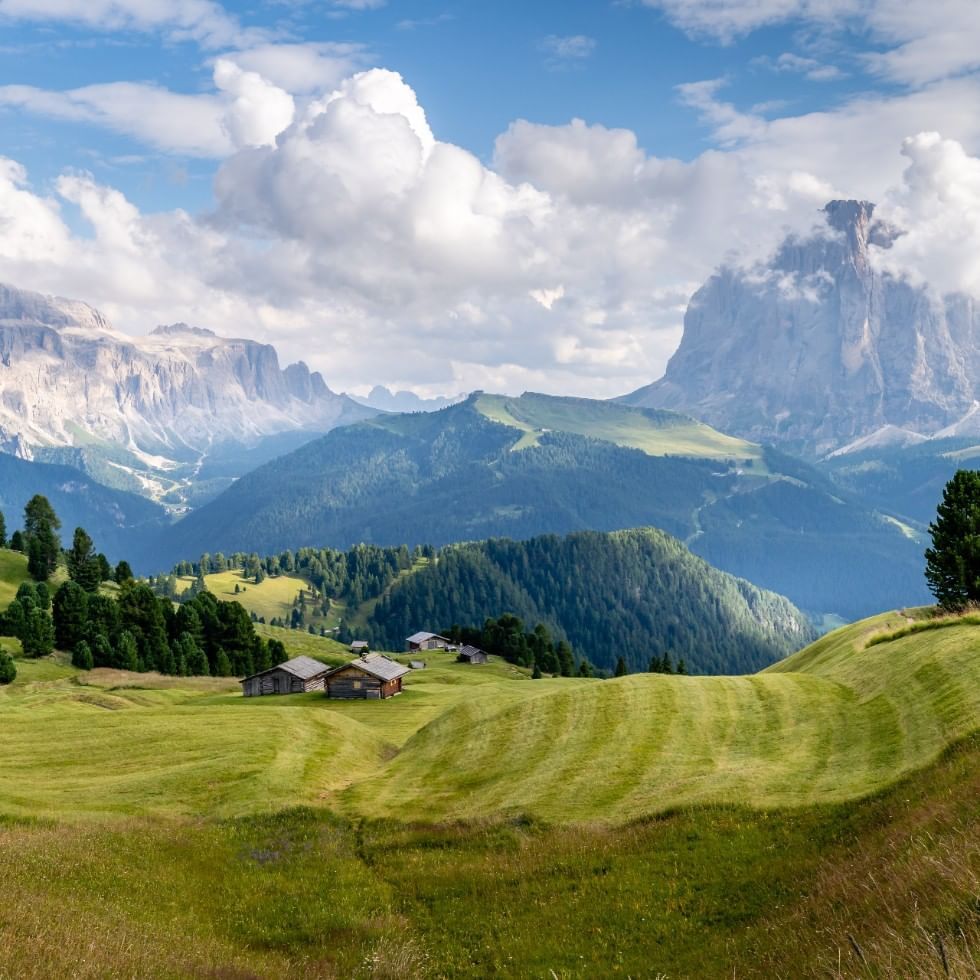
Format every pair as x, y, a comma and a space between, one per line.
81, 656
41, 525
126, 653
70, 614
621, 670
953, 561
8, 669
83, 563
3, 531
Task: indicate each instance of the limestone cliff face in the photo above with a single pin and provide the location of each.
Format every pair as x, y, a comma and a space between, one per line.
818, 348
68, 379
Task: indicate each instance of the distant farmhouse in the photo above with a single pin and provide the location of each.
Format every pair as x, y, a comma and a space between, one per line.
370, 677
360, 646
428, 641
296, 676
472, 655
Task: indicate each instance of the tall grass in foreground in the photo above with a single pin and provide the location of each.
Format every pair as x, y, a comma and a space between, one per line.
887, 887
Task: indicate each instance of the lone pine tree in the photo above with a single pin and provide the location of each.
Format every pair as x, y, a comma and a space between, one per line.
953, 561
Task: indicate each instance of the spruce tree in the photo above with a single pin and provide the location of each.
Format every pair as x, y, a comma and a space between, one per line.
222, 665
126, 654
83, 563
103, 654
17, 541
953, 561
3, 531
124, 573
41, 525
621, 670
8, 669
81, 656
70, 615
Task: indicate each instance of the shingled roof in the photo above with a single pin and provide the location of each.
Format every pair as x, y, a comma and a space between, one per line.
305, 668
423, 636
379, 666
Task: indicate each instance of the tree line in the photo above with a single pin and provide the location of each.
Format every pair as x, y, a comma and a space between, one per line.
137, 630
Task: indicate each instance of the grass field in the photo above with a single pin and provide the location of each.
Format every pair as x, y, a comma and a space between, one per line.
13, 571
881, 888
273, 596
837, 721
655, 433
484, 824
832, 723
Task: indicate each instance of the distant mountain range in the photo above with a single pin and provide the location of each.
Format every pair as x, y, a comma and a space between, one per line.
386, 400
517, 467
149, 414
818, 349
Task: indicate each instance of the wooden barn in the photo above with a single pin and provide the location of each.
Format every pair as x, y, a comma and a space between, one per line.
360, 646
369, 677
428, 641
472, 655
296, 676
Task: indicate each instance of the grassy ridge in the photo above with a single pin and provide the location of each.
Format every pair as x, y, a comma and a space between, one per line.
832, 723
656, 433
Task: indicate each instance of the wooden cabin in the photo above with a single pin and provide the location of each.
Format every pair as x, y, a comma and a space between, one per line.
360, 646
427, 641
296, 676
473, 655
369, 677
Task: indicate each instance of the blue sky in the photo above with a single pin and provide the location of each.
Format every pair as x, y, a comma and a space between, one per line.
400, 191
475, 66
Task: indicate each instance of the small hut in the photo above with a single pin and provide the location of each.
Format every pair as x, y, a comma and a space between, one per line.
473, 655
360, 646
427, 641
369, 677
296, 676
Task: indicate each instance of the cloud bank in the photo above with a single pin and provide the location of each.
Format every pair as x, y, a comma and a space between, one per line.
347, 232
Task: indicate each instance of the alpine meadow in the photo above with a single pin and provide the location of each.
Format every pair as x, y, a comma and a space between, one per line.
490, 491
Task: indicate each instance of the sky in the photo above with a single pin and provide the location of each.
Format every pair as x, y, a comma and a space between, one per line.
443, 196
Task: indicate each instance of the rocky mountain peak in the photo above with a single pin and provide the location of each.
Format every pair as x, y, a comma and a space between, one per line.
55, 312
178, 329
817, 348
155, 401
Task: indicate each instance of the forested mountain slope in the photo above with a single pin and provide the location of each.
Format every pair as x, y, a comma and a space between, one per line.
636, 594
494, 466
115, 518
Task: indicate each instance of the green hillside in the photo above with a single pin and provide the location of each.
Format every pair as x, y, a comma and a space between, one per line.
638, 594
834, 722
654, 432
590, 844
520, 467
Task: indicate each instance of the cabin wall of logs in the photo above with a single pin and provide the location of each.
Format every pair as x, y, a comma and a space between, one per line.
351, 683
280, 682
